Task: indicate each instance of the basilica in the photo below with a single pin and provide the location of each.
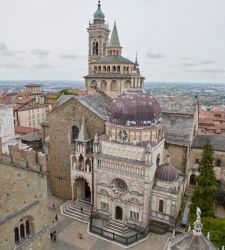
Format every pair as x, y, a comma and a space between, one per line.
123, 171
118, 154
124, 162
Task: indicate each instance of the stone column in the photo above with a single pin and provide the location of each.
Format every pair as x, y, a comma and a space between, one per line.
19, 234
72, 186
25, 231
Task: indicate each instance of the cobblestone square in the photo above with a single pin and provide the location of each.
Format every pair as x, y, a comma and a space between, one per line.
69, 231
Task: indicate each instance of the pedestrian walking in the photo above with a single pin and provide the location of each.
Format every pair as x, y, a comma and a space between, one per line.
81, 209
51, 235
53, 205
56, 217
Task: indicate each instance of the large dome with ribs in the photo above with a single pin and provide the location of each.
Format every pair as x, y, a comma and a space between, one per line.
134, 108
166, 172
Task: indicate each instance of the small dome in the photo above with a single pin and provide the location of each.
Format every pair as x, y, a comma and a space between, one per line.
99, 15
166, 172
134, 108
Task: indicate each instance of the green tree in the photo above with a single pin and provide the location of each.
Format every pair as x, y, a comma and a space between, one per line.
205, 191
66, 92
216, 227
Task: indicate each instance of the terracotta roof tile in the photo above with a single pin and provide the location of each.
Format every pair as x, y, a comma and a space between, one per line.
24, 130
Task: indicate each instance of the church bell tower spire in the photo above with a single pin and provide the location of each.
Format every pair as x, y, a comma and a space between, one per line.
98, 32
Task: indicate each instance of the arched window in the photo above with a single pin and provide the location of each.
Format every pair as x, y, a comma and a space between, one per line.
161, 204
81, 158
127, 84
114, 86
192, 181
218, 184
75, 132
114, 69
22, 231
99, 69
218, 163
27, 227
88, 164
118, 69
103, 85
93, 83
16, 235
96, 48
157, 160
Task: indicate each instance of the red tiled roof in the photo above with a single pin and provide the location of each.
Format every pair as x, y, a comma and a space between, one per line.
51, 101
24, 130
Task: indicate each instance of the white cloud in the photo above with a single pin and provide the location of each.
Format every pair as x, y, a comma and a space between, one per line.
155, 55
68, 56
40, 52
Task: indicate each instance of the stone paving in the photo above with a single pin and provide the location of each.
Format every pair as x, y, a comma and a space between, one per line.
69, 232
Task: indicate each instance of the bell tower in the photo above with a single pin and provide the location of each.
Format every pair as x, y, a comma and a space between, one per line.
98, 32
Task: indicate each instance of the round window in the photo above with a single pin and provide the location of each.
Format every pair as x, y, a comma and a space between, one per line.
120, 185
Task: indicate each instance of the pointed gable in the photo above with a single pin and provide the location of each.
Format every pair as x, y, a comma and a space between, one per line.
83, 135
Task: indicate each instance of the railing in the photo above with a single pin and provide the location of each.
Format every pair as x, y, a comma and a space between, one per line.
123, 173
116, 237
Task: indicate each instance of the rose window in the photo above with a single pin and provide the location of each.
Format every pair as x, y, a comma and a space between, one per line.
119, 186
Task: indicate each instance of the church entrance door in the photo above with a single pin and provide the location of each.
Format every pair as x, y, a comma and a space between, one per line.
119, 213
82, 190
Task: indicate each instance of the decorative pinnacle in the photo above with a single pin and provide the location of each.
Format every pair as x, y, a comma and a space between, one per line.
99, 3
136, 60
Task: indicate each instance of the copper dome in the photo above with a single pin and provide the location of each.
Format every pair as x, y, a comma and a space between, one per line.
166, 172
134, 108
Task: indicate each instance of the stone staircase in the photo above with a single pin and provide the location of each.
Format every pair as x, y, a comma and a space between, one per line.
74, 210
117, 227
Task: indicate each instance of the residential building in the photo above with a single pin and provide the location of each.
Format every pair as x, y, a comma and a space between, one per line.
211, 122
7, 132
31, 115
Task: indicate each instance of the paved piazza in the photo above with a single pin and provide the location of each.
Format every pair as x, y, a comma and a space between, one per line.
68, 231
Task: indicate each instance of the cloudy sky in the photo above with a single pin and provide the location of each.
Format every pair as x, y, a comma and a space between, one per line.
176, 40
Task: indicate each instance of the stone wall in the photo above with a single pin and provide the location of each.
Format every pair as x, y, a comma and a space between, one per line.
28, 158
196, 156
178, 156
60, 123
23, 197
